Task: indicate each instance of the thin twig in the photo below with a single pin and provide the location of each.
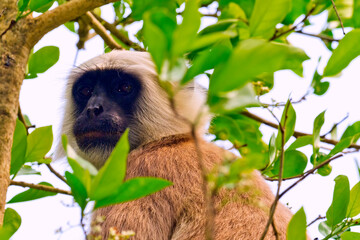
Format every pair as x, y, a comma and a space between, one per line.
100, 30
294, 27
338, 16
282, 129
323, 37
56, 173
316, 219
310, 172
39, 187
276, 234
296, 133
282, 104
335, 125
123, 38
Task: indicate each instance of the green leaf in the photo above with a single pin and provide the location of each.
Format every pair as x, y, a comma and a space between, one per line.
27, 170
18, 149
111, 175
22, 5
318, 122
32, 194
320, 87
268, 57
11, 224
288, 120
324, 229
355, 15
346, 51
82, 174
78, 189
70, 26
233, 11
139, 7
207, 40
296, 229
158, 31
298, 8
133, 189
45, 7
184, 35
294, 164
301, 142
38, 4
43, 59
207, 60
220, 26
354, 203
340, 146
234, 100
266, 15
337, 211
351, 131
350, 236
272, 148
39, 143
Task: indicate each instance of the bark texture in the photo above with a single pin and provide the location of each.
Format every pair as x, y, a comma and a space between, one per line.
17, 38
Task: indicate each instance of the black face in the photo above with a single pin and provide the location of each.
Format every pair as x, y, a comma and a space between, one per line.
104, 104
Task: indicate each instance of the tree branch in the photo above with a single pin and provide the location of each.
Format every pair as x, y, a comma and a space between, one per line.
281, 168
296, 133
60, 15
100, 30
39, 187
56, 173
323, 37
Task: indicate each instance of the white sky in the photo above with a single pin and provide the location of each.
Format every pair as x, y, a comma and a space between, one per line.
41, 100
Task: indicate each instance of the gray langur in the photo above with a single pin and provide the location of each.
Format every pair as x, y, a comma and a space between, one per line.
120, 90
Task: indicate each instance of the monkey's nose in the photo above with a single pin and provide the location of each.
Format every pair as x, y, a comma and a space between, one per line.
94, 111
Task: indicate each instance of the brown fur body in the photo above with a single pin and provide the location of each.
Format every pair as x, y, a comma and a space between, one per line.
178, 212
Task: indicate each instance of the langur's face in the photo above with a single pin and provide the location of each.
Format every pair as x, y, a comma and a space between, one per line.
105, 102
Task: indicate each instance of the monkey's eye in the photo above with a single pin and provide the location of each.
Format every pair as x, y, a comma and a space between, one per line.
125, 88
85, 91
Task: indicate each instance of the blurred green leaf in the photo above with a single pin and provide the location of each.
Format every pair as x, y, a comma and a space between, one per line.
39, 143
219, 26
111, 175
23, 4
19, 146
337, 211
234, 100
206, 60
296, 229
294, 164
324, 229
233, 11
354, 203
350, 236
78, 189
43, 8
70, 26
42, 60
355, 15
268, 57
11, 224
340, 146
298, 8
32, 194
133, 189
140, 7
272, 148
301, 142
185, 33
346, 51
158, 31
266, 15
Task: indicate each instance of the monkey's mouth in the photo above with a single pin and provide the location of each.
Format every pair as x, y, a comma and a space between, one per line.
97, 139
